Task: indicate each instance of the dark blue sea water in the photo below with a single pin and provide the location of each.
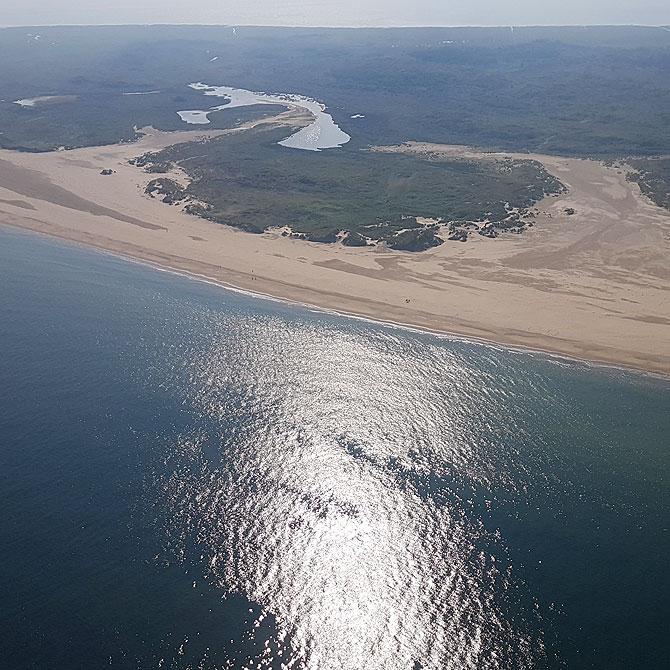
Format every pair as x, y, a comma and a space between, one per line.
194, 478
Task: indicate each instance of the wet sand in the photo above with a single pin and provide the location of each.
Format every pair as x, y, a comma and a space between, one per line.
593, 286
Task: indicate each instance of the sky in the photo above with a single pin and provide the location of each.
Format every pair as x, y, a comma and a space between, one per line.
338, 12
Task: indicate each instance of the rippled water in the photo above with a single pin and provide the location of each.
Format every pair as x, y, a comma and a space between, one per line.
196, 478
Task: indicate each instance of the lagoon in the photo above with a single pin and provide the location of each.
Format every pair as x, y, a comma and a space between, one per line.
323, 133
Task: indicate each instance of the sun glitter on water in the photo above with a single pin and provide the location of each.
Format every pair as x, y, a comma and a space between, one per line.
331, 500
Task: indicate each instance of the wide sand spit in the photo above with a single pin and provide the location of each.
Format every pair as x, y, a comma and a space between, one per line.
594, 285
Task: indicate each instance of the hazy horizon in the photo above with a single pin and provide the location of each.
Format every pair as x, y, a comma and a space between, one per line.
343, 13
342, 26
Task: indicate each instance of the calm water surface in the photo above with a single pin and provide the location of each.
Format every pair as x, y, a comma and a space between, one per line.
322, 133
193, 478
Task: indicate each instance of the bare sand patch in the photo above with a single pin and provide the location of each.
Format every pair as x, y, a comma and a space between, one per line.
594, 285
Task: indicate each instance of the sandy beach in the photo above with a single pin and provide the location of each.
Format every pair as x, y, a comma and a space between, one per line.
593, 286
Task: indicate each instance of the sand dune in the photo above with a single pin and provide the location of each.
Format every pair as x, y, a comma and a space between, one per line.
594, 286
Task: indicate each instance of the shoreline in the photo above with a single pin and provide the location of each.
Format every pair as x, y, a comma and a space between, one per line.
593, 289
407, 327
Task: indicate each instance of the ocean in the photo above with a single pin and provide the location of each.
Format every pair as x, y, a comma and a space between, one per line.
193, 477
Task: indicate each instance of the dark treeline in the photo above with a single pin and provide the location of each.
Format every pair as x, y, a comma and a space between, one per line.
572, 91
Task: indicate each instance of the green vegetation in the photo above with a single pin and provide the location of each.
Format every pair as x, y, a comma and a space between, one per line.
101, 114
248, 181
574, 91
596, 92
353, 239
416, 239
171, 192
653, 176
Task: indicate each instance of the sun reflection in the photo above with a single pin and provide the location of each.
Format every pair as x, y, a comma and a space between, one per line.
333, 498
